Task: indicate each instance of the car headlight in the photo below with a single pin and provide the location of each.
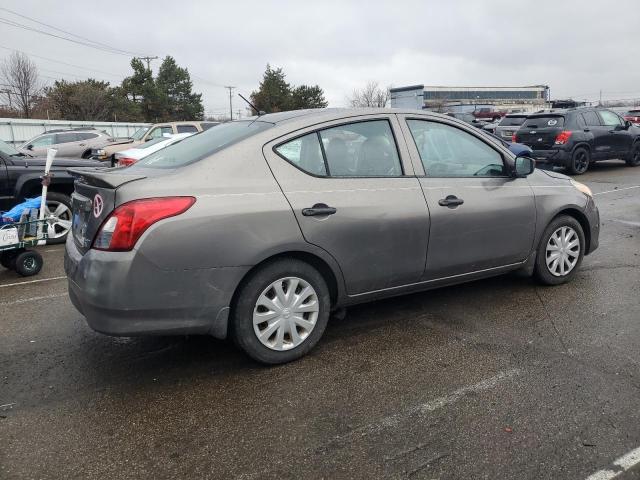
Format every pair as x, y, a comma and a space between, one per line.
100, 152
582, 187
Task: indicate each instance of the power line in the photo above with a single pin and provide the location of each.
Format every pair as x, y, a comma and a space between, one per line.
90, 45
63, 63
68, 33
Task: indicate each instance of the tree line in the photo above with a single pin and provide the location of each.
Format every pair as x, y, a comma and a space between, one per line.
143, 97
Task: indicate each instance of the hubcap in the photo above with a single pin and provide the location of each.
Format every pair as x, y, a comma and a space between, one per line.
563, 251
58, 217
286, 313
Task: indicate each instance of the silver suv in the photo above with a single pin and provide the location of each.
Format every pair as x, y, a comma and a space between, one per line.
258, 229
76, 142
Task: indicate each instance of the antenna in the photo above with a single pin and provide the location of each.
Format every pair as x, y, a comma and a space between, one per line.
260, 112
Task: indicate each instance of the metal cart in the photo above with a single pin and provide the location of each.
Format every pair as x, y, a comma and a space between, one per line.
15, 238
30, 230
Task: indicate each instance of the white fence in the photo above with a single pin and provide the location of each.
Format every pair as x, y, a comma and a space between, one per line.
19, 130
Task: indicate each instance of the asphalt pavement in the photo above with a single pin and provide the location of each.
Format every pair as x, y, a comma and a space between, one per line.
499, 378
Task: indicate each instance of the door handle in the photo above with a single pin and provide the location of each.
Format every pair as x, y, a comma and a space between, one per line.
318, 209
450, 201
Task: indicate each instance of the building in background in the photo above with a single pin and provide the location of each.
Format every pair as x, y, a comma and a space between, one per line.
463, 99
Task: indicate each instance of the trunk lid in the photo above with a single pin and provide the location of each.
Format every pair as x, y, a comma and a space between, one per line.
540, 132
93, 200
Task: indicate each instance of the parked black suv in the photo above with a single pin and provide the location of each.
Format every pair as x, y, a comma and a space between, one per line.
576, 137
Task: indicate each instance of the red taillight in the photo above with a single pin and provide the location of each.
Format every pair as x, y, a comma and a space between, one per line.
122, 229
562, 137
514, 139
125, 161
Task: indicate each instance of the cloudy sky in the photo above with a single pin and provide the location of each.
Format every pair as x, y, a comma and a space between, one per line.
576, 47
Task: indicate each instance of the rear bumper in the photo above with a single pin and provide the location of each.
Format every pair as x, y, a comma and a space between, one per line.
554, 156
124, 294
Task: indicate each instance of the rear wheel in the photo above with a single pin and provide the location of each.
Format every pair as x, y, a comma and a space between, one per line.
8, 259
560, 251
281, 312
580, 160
28, 263
634, 156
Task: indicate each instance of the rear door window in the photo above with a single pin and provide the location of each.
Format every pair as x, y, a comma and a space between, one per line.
66, 138
305, 153
86, 136
363, 149
544, 122
591, 119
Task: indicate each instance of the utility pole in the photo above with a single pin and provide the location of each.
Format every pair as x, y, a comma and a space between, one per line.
230, 101
239, 114
600, 104
148, 60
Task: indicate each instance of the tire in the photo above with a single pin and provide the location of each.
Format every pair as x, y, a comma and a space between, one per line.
580, 161
60, 231
279, 344
8, 259
634, 155
28, 263
544, 269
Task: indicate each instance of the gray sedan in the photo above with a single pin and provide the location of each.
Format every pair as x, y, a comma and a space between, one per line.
258, 229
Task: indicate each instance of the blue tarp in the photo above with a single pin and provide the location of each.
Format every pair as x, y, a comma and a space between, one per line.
14, 214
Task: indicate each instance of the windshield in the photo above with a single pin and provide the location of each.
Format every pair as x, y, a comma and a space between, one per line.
512, 121
544, 122
197, 147
139, 133
8, 149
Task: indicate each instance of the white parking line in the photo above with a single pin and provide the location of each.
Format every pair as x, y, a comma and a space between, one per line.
430, 406
33, 281
32, 299
624, 463
616, 190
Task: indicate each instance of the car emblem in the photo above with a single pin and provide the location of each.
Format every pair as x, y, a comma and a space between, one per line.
539, 139
98, 205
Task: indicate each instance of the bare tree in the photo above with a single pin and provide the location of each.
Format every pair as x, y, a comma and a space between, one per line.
20, 77
372, 95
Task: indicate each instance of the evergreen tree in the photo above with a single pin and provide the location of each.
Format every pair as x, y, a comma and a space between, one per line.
174, 86
274, 93
305, 96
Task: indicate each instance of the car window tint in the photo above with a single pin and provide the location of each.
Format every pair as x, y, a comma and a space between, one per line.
42, 141
304, 153
363, 149
448, 151
66, 138
86, 136
550, 121
511, 121
610, 119
591, 118
581, 122
187, 129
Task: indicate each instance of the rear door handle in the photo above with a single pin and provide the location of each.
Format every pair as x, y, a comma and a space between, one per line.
318, 209
450, 201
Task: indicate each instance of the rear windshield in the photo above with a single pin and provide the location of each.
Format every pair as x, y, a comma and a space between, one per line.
633, 113
511, 121
197, 147
544, 122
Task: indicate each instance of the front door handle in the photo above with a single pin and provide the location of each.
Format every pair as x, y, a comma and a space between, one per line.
318, 209
450, 201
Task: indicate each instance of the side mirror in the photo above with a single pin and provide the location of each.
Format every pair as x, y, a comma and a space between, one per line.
618, 128
627, 124
524, 166
29, 147
148, 139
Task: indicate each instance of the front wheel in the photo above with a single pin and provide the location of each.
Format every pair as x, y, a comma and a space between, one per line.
560, 251
281, 312
580, 160
634, 156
